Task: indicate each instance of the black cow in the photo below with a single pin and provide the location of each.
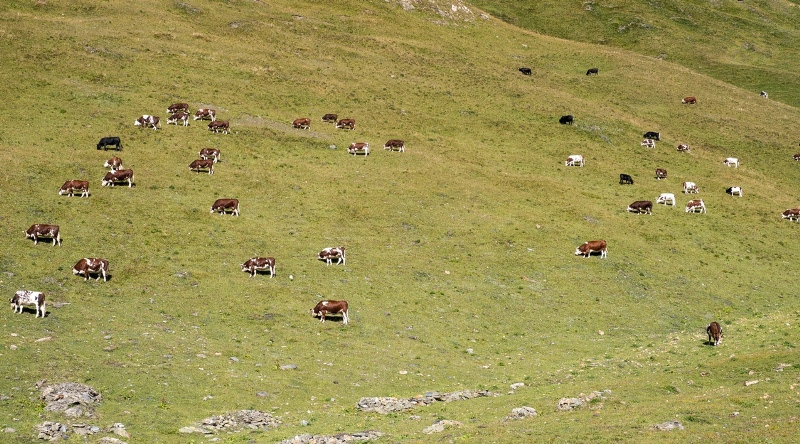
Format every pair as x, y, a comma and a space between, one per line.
109, 141
625, 178
652, 135
566, 120
526, 71
592, 71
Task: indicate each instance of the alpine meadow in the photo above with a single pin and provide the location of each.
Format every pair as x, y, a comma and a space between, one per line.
461, 272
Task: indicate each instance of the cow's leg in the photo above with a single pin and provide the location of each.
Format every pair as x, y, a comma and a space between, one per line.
271, 272
345, 317
322, 316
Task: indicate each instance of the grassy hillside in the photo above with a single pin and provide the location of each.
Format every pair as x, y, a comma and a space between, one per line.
465, 241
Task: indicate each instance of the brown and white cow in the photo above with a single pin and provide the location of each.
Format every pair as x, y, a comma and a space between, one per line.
696, 206
260, 263
205, 113
587, 248
330, 253
219, 126
346, 124
70, 187
641, 206
178, 108
661, 173
114, 163
689, 100
147, 121
666, 199
223, 205
179, 117
27, 297
43, 230
650, 143
393, 144
302, 123
202, 164
330, 118
213, 153
328, 307
573, 160
690, 187
796, 157
714, 331
114, 176
358, 147
731, 161
683, 148
791, 213
91, 265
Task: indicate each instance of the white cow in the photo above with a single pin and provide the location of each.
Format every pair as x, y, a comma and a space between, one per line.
733, 191
573, 160
731, 161
27, 297
666, 198
650, 143
690, 187
764, 94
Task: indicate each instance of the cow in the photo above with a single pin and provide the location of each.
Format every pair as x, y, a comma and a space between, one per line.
573, 160
179, 117
764, 94
223, 205
393, 144
650, 143
695, 206
357, 147
691, 100
205, 113
690, 187
213, 153
796, 156
734, 191
714, 331
114, 176
91, 265
661, 173
27, 297
641, 206
106, 142
330, 118
43, 230
200, 164
731, 161
566, 120
652, 135
587, 248
114, 163
178, 108
218, 126
302, 123
683, 148
346, 124
666, 198
329, 307
71, 186
147, 121
625, 179
330, 253
526, 71
260, 263
594, 71
790, 214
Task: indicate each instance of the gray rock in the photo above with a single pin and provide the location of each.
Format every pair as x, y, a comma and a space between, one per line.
52, 431
234, 359
119, 430
234, 422
517, 385
386, 405
439, 426
342, 438
110, 440
566, 404
69, 397
289, 367
521, 413
9, 430
668, 426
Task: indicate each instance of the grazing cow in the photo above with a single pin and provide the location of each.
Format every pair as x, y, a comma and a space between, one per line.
357, 147
625, 179
683, 148
764, 94
691, 100
114, 163
790, 214
43, 230
71, 186
91, 265
641, 206
690, 187
587, 248
650, 143
106, 142
302, 123
223, 205
695, 206
330, 253
27, 297
796, 156
200, 164
147, 121
734, 191
178, 108
731, 161
330, 118
666, 199
526, 71
346, 124
329, 307
661, 173
205, 113
260, 263
213, 153
652, 135
714, 331
218, 126
393, 144
179, 117
573, 160
114, 176
594, 71
566, 120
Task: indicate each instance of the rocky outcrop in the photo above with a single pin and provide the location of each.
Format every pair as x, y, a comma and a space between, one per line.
668, 426
71, 398
439, 426
234, 422
52, 431
566, 404
341, 438
388, 404
521, 413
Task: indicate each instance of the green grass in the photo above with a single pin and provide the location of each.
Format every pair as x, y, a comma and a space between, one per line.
466, 240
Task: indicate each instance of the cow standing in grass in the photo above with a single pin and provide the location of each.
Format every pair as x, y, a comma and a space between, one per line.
27, 297
328, 307
714, 331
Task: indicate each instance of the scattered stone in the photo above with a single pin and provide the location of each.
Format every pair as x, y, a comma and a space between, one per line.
12, 347
749, 383
52, 431
234, 359
84, 429
110, 440
521, 413
119, 429
566, 404
304, 423
71, 398
262, 394
4, 397
332, 147
234, 422
780, 367
668, 426
470, 351
517, 385
46, 338
192, 429
386, 405
341, 438
289, 367
439, 426
9, 430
